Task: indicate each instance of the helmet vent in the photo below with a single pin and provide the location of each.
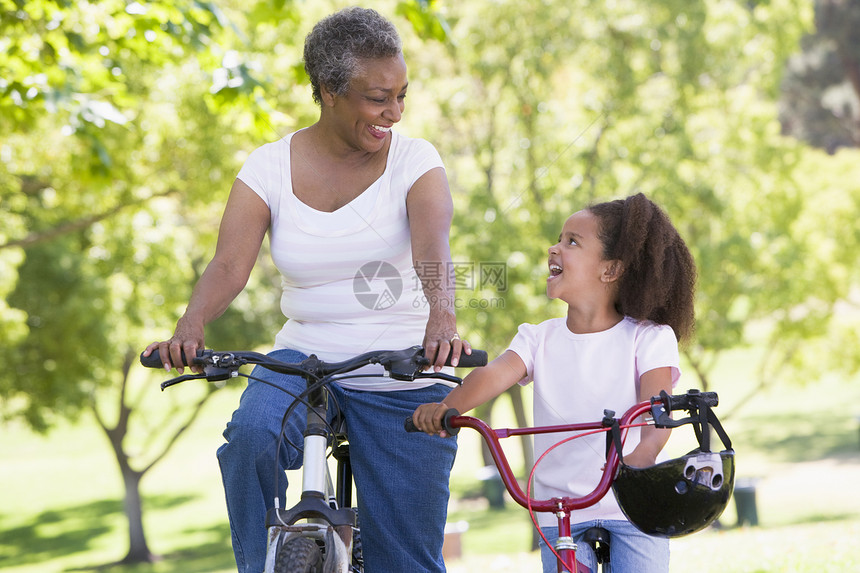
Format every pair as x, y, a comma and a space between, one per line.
705, 470
690, 472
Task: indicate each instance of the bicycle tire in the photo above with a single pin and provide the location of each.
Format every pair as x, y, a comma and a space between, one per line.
357, 552
299, 555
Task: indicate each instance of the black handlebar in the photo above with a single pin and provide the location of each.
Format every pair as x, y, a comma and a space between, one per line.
693, 398
699, 406
474, 360
154, 359
406, 364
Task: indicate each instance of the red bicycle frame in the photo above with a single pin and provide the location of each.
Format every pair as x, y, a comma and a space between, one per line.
561, 507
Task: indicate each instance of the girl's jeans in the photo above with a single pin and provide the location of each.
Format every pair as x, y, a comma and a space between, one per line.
629, 549
401, 479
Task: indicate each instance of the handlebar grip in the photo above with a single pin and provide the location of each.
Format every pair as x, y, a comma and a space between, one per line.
154, 359
409, 425
691, 398
474, 360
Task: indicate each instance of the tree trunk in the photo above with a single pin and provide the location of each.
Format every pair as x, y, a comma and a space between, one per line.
138, 550
485, 413
527, 442
516, 394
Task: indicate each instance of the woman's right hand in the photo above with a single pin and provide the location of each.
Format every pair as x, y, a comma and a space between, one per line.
428, 418
187, 338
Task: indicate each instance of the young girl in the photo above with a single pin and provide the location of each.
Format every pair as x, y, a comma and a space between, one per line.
628, 280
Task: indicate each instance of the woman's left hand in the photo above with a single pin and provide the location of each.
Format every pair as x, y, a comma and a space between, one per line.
441, 339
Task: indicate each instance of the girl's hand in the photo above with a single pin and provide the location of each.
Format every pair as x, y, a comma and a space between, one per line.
428, 418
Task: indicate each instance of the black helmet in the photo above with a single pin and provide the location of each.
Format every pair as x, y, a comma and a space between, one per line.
686, 494
679, 496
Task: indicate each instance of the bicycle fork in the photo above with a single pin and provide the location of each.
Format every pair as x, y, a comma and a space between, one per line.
314, 515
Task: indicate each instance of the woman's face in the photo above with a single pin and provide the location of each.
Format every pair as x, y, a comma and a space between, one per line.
373, 103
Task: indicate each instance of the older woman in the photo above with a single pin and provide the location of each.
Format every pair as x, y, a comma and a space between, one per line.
342, 200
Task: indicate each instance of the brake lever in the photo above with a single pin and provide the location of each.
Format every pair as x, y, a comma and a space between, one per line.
692, 402
405, 364
210, 374
441, 376
183, 378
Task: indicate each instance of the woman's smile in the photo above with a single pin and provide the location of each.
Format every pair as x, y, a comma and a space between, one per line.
379, 131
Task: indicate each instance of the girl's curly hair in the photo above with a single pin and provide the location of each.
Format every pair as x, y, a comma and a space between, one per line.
337, 44
658, 280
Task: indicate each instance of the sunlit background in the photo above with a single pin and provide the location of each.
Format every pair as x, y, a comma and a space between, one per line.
124, 123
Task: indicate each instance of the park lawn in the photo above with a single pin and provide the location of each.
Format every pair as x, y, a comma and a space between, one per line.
62, 495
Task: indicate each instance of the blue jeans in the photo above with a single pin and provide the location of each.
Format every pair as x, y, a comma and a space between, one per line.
401, 479
629, 548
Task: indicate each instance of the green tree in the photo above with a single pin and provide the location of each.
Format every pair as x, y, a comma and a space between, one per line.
675, 99
125, 124
99, 101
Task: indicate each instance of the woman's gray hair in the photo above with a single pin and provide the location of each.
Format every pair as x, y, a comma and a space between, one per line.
337, 43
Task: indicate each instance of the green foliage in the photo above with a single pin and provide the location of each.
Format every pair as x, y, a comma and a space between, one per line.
125, 124
427, 23
591, 102
91, 256
76, 59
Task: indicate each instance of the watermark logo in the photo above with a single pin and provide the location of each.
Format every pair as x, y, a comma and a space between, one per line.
493, 275
377, 285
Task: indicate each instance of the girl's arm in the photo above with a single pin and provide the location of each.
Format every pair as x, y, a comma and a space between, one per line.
479, 386
651, 439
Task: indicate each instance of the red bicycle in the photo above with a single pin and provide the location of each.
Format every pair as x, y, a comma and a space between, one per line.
670, 499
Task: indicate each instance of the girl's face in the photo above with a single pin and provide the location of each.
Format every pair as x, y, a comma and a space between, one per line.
373, 104
577, 269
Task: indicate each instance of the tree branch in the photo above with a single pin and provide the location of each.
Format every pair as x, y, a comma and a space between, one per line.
38, 237
198, 407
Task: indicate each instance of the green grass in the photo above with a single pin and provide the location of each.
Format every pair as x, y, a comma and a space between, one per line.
62, 494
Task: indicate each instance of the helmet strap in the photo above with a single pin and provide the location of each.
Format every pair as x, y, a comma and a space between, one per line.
718, 427
698, 405
613, 436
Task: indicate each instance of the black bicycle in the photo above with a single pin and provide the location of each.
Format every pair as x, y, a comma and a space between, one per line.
321, 532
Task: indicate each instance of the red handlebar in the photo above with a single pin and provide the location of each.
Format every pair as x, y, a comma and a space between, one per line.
492, 437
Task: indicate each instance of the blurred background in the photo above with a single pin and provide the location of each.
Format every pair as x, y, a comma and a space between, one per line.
124, 123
